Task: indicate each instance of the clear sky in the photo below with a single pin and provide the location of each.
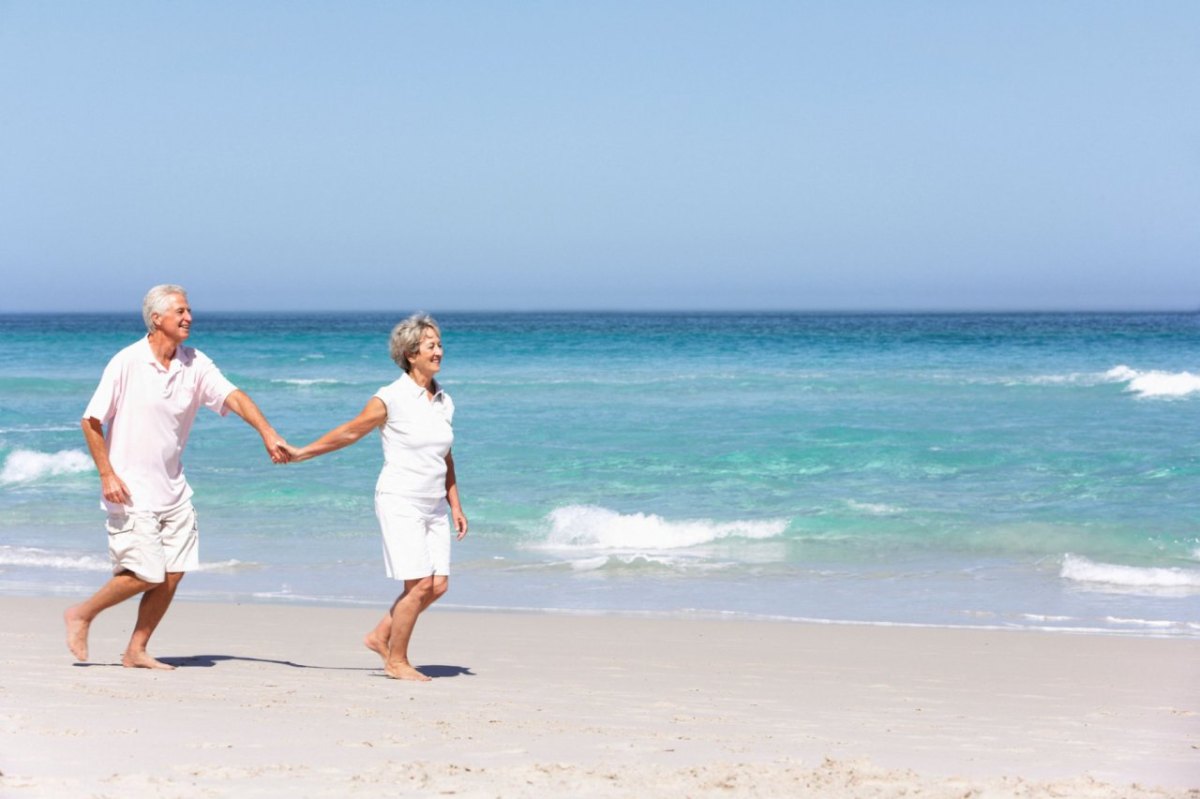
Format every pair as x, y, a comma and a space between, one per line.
601, 155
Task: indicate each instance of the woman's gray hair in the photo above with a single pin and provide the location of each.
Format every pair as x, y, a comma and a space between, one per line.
155, 302
406, 337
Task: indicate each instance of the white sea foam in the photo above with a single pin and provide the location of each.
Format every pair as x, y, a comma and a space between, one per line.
1174, 580
308, 381
36, 558
33, 557
1155, 384
593, 527
228, 566
874, 508
25, 465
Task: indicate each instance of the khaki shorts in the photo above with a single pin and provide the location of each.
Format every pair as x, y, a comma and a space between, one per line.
152, 544
416, 536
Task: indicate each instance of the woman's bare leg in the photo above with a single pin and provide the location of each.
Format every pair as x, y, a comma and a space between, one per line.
416, 597
379, 638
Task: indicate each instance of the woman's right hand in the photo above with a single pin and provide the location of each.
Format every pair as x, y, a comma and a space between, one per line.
295, 454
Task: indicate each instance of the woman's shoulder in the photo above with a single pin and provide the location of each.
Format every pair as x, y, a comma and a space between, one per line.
396, 385
397, 393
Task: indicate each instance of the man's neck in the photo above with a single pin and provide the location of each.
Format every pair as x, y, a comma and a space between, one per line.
162, 347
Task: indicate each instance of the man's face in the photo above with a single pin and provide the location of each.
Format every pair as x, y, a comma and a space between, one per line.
175, 323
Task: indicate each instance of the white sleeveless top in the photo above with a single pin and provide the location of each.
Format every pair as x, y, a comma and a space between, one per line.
416, 440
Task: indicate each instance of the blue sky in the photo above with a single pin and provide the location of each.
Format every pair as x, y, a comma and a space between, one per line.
616, 155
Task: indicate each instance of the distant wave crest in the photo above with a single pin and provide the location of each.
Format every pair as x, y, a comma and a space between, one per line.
1081, 570
1155, 384
36, 558
43, 558
593, 527
308, 381
26, 465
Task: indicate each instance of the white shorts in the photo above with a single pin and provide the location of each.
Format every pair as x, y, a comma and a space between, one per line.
151, 544
416, 536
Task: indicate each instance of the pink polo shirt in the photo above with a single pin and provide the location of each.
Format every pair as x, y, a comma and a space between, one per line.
147, 412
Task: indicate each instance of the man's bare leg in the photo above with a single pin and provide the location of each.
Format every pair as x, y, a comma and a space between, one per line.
404, 618
78, 618
151, 610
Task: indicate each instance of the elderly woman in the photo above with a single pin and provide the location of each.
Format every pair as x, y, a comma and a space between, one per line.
416, 487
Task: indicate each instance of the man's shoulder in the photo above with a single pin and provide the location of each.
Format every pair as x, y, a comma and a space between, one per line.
190, 356
132, 352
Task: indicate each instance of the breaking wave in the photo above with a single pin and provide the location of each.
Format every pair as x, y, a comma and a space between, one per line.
593, 527
26, 466
1176, 580
1155, 384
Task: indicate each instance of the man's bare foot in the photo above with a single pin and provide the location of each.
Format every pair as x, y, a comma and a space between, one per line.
143, 660
77, 633
404, 671
378, 647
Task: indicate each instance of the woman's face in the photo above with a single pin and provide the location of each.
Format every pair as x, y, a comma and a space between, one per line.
428, 358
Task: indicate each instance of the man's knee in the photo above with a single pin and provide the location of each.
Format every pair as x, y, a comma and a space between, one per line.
440, 587
140, 583
421, 590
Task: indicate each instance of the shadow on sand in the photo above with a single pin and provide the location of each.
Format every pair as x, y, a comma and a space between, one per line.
208, 661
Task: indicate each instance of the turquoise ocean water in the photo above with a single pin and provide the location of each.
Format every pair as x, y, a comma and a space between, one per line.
1037, 471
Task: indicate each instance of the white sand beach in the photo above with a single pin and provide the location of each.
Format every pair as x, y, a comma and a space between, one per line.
273, 700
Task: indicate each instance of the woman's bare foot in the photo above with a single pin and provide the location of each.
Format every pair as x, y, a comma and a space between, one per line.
142, 660
377, 646
404, 671
77, 633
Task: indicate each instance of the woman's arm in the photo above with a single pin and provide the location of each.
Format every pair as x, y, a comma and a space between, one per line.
372, 416
456, 512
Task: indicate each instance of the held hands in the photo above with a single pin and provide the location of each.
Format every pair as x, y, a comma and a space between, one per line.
277, 448
294, 454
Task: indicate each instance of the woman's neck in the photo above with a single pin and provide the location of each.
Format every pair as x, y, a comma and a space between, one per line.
425, 381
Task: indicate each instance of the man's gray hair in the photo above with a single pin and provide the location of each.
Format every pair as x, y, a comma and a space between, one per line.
406, 337
155, 302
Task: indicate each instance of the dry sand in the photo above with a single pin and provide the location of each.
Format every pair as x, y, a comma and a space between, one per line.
284, 701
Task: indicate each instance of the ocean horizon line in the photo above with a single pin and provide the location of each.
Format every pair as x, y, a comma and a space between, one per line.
715, 312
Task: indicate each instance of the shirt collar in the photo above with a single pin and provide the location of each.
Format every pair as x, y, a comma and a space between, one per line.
177, 360
417, 391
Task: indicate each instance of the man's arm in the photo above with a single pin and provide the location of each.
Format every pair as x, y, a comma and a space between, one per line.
240, 403
112, 487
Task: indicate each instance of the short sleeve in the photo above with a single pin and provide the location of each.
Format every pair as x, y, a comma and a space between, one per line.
214, 387
103, 404
385, 395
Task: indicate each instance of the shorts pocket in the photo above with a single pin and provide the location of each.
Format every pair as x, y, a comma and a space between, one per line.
119, 524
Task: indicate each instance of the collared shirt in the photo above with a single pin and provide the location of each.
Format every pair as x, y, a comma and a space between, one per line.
416, 440
147, 411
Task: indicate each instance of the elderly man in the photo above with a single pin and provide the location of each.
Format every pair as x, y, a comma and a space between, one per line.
148, 398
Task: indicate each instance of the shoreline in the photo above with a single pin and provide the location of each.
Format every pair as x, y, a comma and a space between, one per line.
1139, 630
272, 699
